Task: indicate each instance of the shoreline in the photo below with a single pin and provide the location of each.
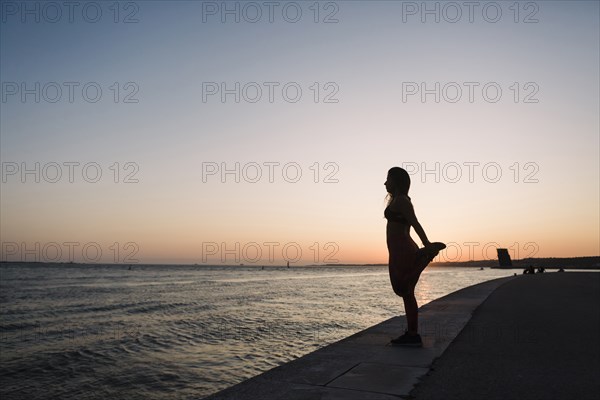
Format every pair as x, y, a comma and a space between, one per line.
499, 339
352, 367
571, 263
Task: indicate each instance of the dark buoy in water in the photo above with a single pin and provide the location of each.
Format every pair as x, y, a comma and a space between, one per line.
288, 264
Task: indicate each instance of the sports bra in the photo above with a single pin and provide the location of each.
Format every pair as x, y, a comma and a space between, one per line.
394, 216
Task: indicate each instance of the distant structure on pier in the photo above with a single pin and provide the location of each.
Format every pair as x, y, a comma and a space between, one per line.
504, 258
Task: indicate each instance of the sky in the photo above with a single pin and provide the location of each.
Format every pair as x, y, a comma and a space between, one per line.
259, 133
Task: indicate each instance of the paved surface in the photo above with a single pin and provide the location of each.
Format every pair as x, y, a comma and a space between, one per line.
535, 337
364, 366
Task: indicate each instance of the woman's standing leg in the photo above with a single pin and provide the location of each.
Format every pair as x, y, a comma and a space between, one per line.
412, 311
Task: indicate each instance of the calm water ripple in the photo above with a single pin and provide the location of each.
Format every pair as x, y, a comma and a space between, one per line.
166, 332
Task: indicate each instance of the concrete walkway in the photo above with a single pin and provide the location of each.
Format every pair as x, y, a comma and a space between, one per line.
536, 337
364, 366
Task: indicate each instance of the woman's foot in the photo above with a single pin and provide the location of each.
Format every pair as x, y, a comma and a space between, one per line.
429, 252
434, 248
408, 340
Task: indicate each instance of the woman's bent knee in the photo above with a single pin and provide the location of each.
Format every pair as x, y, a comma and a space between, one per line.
403, 289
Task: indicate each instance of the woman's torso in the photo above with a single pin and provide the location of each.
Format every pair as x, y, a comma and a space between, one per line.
397, 224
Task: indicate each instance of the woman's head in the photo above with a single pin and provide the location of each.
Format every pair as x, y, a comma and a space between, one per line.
398, 182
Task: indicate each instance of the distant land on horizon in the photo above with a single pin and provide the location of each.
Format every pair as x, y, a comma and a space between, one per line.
588, 262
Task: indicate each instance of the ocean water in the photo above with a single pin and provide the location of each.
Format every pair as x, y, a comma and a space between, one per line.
183, 332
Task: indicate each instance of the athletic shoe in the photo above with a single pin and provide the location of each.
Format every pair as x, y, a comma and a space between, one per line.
408, 340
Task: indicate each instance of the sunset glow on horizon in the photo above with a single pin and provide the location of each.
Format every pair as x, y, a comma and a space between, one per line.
178, 138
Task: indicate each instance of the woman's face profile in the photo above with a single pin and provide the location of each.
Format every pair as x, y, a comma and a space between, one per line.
388, 185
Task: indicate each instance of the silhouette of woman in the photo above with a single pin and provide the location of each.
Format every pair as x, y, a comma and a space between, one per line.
406, 260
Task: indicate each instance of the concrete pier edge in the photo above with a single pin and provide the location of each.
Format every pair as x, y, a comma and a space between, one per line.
365, 365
